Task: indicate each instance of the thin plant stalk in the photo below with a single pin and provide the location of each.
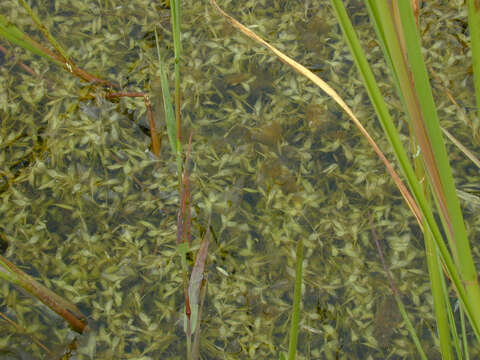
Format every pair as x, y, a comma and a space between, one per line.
175, 7
153, 128
462, 148
196, 298
464, 335
196, 281
150, 116
63, 54
456, 341
397, 296
13, 34
183, 246
297, 300
440, 297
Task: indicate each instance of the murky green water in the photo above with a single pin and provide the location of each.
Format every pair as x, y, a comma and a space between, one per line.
88, 209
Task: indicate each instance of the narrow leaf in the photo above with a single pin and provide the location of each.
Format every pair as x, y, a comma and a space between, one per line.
197, 277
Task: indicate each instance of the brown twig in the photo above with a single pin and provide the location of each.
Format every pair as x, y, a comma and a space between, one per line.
153, 130
61, 306
72, 68
151, 117
125, 94
27, 68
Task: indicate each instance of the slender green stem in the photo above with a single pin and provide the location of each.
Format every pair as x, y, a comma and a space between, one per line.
12, 33
474, 27
464, 335
439, 299
67, 62
176, 22
176, 25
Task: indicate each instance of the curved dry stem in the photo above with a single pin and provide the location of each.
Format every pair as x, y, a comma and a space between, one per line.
334, 95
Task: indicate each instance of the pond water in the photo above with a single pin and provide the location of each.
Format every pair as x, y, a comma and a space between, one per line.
89, 211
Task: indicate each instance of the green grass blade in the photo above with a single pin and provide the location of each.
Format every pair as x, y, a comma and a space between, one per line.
169, 114
410, 328
453, 329
386, 27
440, 299
443, 187
389, 127
13, 34
396, 294
464, 334
474, 27
176, 22
167, 103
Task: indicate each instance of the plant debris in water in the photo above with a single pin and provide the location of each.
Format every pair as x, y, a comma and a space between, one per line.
93, 214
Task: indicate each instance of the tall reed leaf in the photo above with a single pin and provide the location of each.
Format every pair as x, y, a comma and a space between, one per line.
474, 27
422, 112
169, 114
389, 127
396, 29
443, 186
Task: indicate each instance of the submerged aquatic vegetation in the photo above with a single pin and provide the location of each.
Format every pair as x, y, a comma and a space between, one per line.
102, 211
395, 41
